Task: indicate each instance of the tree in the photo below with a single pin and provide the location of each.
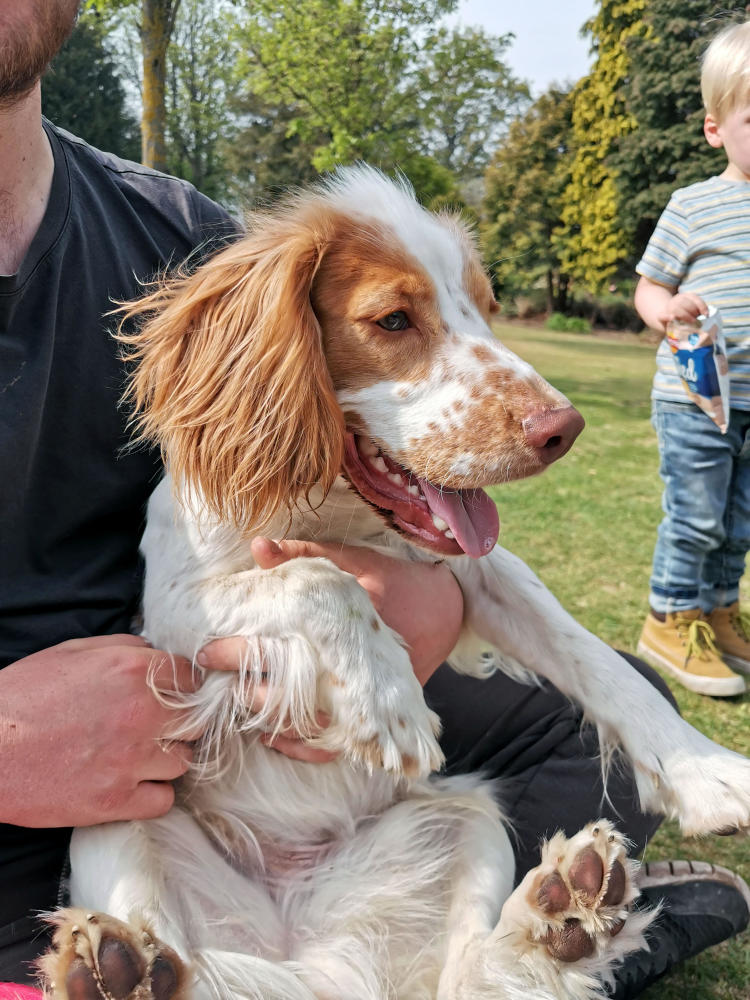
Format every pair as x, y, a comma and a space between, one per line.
468, 95
667, 150
595, 244
348, 69
199, 119
525, 185
362, 79
155, 26
83, 92
267, 156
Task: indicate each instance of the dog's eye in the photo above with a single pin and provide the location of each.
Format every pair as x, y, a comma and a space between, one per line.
395, 321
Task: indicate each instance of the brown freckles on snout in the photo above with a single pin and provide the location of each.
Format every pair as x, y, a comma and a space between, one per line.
364, 276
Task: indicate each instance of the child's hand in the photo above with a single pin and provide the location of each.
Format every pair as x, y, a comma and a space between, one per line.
685, 307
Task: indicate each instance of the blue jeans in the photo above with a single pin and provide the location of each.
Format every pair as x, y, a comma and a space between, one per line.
702, 542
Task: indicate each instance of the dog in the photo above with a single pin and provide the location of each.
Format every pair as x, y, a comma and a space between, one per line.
333, 375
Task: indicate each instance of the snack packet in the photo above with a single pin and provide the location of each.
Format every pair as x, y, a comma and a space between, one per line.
700, 354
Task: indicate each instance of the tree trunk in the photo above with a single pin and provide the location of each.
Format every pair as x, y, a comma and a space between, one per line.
157, 20
550, 292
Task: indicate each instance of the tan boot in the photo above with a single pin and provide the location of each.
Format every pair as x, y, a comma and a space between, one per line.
732, 630
685, 645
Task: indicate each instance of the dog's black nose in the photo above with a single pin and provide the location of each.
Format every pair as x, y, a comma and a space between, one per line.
551, 432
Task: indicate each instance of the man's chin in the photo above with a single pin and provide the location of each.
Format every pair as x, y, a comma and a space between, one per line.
30, 38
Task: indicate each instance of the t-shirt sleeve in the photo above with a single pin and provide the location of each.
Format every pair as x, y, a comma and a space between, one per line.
665, 259
216, 227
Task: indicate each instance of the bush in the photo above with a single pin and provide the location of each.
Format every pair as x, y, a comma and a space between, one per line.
568, 324
610, 310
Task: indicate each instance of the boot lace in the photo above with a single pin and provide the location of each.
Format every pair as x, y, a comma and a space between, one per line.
741, 625
701, 638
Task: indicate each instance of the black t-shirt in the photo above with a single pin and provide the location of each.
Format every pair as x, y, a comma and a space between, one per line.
72, 499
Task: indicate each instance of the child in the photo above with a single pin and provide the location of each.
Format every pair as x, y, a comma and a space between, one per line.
699, 255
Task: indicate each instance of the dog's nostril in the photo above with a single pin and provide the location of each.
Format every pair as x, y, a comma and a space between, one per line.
551, 432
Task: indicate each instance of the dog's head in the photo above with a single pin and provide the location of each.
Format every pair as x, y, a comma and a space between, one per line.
348, 330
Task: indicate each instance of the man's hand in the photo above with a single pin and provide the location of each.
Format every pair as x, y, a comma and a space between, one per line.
420, 601
80, 733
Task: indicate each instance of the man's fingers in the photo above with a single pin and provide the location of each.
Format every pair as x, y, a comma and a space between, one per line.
172, 673
170, 760
298, 750
268, 553
223, 654
150, 799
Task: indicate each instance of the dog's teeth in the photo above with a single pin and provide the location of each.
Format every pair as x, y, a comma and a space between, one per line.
414, 491
396, 478
379, 464
368, 447
439, 523
449, 534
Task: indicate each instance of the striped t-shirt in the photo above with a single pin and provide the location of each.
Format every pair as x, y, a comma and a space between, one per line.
701, 244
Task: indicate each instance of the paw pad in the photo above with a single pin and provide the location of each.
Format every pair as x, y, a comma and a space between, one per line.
586, 874
80, 983
119, 968
552, 895
569, 943
616, 886
95, 957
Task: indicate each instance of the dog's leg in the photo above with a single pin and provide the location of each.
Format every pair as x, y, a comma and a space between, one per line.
375, 918
316, 642
565, 926
678, 771
96, 957
483, 880
160, 914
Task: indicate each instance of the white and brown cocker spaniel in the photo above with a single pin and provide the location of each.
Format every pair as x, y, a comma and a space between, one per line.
333, 375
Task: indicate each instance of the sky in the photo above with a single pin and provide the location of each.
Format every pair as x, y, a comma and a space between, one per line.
547, 47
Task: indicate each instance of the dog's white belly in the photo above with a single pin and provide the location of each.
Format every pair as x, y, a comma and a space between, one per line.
369, 913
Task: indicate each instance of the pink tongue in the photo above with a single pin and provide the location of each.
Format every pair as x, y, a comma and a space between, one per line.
470, 514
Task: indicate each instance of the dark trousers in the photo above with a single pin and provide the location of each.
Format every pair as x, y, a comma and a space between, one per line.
533, 740
530, 737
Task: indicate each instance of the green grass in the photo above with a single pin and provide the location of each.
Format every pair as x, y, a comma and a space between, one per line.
587, 527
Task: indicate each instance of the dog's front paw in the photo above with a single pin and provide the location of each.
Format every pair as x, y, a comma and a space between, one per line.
379, 718
95, 957
703, 785
569, 920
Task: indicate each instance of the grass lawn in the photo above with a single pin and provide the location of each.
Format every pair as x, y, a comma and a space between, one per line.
587, 527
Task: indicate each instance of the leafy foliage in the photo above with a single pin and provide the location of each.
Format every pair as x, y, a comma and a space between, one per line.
467, 96
523, 203
568, 324
595, 243
346, 67
82, 92
199, 123
360, 79
662, 94
155, 26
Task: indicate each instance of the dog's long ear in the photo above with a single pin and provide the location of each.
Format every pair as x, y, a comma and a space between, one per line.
230, 378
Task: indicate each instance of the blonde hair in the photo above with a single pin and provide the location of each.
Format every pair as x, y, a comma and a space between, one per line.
725, 77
